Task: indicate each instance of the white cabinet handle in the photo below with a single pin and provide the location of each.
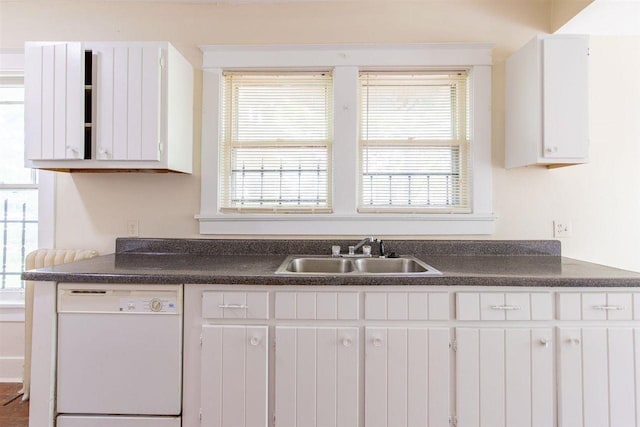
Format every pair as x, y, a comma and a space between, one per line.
233, 306
377, 342
608, 307
347, 342
545, 342
574, 341
74, 150
104, 154
254, 341
506, 307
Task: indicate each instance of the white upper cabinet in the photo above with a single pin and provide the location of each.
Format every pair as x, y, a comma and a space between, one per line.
547, 98
113, 105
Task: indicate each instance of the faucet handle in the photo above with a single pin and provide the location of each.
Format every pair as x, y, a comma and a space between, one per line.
382, 248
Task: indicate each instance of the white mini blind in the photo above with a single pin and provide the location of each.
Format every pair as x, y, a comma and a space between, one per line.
277, 135
414, 142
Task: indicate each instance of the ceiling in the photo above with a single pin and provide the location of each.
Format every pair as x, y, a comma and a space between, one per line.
606, 17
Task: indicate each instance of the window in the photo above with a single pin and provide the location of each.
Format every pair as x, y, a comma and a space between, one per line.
414, 142
276, 142
18, 186
404, 132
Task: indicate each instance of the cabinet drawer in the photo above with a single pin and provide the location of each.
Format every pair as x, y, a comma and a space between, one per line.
406, 306
317, 305
235, 305
504, 306
598, 306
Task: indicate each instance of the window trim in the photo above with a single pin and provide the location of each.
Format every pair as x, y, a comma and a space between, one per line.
12, 301
232, 141
371, 80
346, 61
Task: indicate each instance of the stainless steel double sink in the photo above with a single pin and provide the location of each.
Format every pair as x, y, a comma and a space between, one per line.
319, 265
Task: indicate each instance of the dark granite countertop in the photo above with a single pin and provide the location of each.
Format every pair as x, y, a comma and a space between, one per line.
251, 262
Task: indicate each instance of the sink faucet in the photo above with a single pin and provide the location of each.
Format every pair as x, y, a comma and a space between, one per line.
363, 242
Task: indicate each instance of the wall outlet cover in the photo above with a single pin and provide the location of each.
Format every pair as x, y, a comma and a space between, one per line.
562, 228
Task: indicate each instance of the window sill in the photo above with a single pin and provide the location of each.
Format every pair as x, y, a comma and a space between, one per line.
11, 308
327, 224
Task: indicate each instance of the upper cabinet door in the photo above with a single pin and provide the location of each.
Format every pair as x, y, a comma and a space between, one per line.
566, 97
54, 101
128, 94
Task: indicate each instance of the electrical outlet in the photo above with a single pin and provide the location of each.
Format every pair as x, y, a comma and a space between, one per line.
562, 229
133, 228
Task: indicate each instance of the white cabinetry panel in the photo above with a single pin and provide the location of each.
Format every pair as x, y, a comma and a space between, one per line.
234, 376
128, 101
407, 377
316, 381
505, 377
598, 305
504, 306
317, 305
406, 305
598, 375
565, 97
235, 305
54, 101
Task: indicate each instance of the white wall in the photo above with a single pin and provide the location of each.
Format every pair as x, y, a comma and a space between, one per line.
601, 198
11, 341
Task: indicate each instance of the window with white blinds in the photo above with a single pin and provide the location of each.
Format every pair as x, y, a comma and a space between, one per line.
414, 142
276, 142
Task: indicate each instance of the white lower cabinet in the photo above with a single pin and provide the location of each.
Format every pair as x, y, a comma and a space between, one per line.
234, 372
599, 377
316, 376
406, 357
505, 377
407, 377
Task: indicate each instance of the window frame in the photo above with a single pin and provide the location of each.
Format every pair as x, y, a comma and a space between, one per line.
12, 300
461, 141
345, 62
231, 141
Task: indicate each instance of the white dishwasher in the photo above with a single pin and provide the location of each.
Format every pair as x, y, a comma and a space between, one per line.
119, 355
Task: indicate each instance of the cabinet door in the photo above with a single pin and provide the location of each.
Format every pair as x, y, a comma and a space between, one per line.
505, 377
565, 97
54, 101
599, 377
234, 376
407, 377
316, 377
128, 92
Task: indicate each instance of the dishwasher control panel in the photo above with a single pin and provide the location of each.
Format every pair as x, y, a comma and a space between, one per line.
148, 305
141, 299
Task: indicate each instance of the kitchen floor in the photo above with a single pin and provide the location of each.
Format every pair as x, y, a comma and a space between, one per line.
13, 413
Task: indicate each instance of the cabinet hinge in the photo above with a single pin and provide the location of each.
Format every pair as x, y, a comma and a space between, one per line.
201, 340
453, 345
200, 416
588, 51
162, 61
160, 148
453, 421
273, 419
